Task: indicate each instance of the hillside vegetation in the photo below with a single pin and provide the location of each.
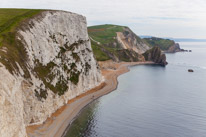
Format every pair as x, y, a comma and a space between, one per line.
11, 50
104, 33
164, 44
101, 37
106, 46
10, 20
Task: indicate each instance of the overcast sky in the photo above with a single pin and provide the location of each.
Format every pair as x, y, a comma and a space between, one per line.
163, 18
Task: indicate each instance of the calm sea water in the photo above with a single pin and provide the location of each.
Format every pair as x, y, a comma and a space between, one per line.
152, 101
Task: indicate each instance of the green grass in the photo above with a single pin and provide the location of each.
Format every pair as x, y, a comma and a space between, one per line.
98, 53
104, 33
164, 44
10, 19
105, 26
109, 47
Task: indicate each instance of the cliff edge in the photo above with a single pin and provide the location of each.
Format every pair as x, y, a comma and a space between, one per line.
45, 61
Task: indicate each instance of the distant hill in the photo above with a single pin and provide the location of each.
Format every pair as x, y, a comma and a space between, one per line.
177, 39
116, 42
166, 45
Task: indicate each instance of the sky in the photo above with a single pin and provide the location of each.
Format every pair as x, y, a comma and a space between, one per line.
160, 18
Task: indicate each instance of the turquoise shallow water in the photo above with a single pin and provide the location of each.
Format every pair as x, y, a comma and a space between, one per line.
152, 101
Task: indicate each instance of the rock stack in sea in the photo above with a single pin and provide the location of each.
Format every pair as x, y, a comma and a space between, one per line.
156, 56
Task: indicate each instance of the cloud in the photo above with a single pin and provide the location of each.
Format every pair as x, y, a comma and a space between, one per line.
169, 18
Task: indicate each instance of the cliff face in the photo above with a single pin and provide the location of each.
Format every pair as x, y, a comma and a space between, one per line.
129, 40
51, 64
115, 42
174, 48
156, 56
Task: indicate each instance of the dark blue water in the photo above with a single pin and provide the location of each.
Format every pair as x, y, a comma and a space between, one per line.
152, 101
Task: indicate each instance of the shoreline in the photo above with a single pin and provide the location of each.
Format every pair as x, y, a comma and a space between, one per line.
56, 125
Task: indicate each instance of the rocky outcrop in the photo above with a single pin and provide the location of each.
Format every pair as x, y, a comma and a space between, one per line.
55, 64
129, 40
155, 54
174, 48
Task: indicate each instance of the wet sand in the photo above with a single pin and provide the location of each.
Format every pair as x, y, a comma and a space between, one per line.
59, 121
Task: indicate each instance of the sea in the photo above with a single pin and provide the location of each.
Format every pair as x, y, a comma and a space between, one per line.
152, 101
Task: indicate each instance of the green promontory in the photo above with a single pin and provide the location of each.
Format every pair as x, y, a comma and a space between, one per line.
165, 45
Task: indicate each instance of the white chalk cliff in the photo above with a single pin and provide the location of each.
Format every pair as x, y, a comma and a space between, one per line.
58, 66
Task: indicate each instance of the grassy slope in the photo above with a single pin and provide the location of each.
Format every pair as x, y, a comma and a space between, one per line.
105, 35
164, 44
100, 56
10, 19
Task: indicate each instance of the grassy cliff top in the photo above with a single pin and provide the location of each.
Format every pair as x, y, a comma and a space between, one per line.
11, 18
164, 44
104, 33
